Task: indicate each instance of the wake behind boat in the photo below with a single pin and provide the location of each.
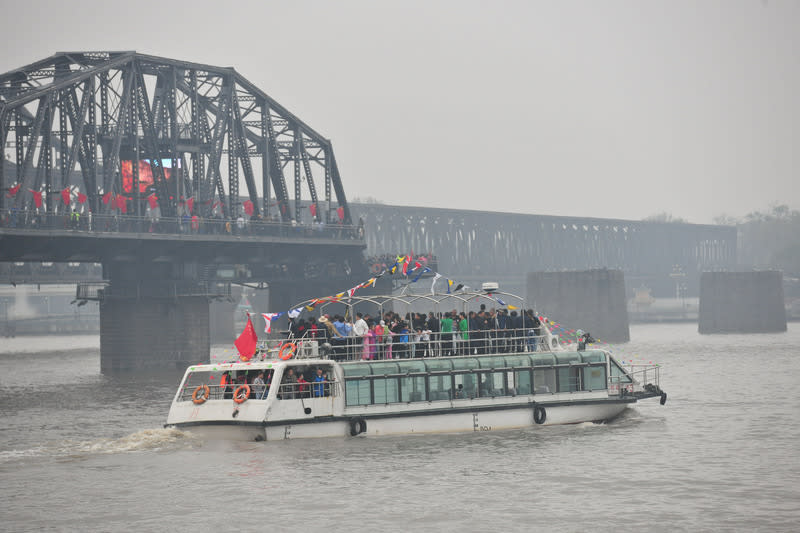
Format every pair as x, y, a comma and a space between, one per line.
411, 382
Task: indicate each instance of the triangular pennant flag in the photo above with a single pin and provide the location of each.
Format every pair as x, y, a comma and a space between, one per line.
459, 287
416, 279
449, 284
294, 313
501, 302
351, 292
268, 318
435, 279
512, 307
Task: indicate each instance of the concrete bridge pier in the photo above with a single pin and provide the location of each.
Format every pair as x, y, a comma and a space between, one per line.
591, 300
742, 302
145, 323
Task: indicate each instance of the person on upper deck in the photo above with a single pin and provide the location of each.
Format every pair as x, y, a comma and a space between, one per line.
318, 386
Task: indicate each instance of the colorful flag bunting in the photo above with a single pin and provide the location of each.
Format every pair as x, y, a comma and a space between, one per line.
268, 318
426, 269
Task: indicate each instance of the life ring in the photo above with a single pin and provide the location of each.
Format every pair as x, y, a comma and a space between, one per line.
539, 414
241, 398
357, 425
376, 268
553, 343
201, 398
292, 349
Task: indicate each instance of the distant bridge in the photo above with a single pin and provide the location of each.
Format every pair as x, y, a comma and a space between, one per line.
481, 245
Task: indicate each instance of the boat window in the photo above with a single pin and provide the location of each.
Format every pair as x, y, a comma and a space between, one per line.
466, 386
437, 365
518, 361
385, 369
492, 361
522, 381
593, 356
491, 384
413, 389
356, 369
440, 386
543, 359
386, 390
618, 375
569, 379
358, 391
544, 380
411, 366
465, 363
594, 377
566, 358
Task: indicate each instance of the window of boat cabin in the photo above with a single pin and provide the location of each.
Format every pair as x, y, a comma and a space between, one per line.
618, 375
520, 380
440, 380
594, 375
357, 388
544, 374
465, 385
569, 377
385, 389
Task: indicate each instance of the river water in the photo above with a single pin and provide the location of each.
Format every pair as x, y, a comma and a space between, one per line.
80, 451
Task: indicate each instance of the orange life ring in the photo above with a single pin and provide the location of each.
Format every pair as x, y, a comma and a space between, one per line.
198, 399
376, 268
238, 398
292, 349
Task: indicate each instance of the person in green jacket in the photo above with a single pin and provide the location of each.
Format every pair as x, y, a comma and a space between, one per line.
446, 326
463, 328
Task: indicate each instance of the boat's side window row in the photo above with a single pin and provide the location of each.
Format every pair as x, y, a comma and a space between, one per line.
365, 390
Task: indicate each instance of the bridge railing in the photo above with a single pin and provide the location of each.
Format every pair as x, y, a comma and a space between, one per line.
100, 290
186, 225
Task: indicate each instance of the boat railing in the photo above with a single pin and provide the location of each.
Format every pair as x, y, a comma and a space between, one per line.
408, 345
286, 391
639, 378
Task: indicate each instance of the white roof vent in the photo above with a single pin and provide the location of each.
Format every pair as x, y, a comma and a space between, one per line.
490, 286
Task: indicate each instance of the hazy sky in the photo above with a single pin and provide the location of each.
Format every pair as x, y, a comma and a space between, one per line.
618, 109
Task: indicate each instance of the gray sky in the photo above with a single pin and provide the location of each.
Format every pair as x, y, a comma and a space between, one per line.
618, 109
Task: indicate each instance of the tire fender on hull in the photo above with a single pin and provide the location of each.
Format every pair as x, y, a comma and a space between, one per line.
539, 414
357, 426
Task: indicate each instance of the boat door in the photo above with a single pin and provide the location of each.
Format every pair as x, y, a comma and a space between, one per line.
307, 390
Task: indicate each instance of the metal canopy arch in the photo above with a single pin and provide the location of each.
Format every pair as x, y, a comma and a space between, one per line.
408, 299
92, 110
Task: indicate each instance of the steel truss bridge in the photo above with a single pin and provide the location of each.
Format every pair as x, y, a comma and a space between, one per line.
479, 245
174, 126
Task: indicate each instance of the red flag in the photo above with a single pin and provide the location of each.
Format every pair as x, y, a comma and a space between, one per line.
153, 201
312, 209
248, 207
247, 341
37, 198
82, 198
107, 197
340, 212
190, 204
12, 192
122, 203
65, 196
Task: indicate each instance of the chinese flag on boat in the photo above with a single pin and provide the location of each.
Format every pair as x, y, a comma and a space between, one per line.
247, 341
37, 198
82, 198
65, 196
248, 207
12, 192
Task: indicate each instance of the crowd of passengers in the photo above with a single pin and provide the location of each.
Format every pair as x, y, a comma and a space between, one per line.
393, 336
296, 383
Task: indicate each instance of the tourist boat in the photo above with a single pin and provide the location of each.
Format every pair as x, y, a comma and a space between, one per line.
507, 386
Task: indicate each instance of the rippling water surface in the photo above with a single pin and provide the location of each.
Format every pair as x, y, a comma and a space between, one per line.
84, 451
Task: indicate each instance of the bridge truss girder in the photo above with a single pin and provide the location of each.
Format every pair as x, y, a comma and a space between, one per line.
92, 110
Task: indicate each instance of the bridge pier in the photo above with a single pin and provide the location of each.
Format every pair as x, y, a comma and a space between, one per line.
152, 332
592, 300
742, 302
